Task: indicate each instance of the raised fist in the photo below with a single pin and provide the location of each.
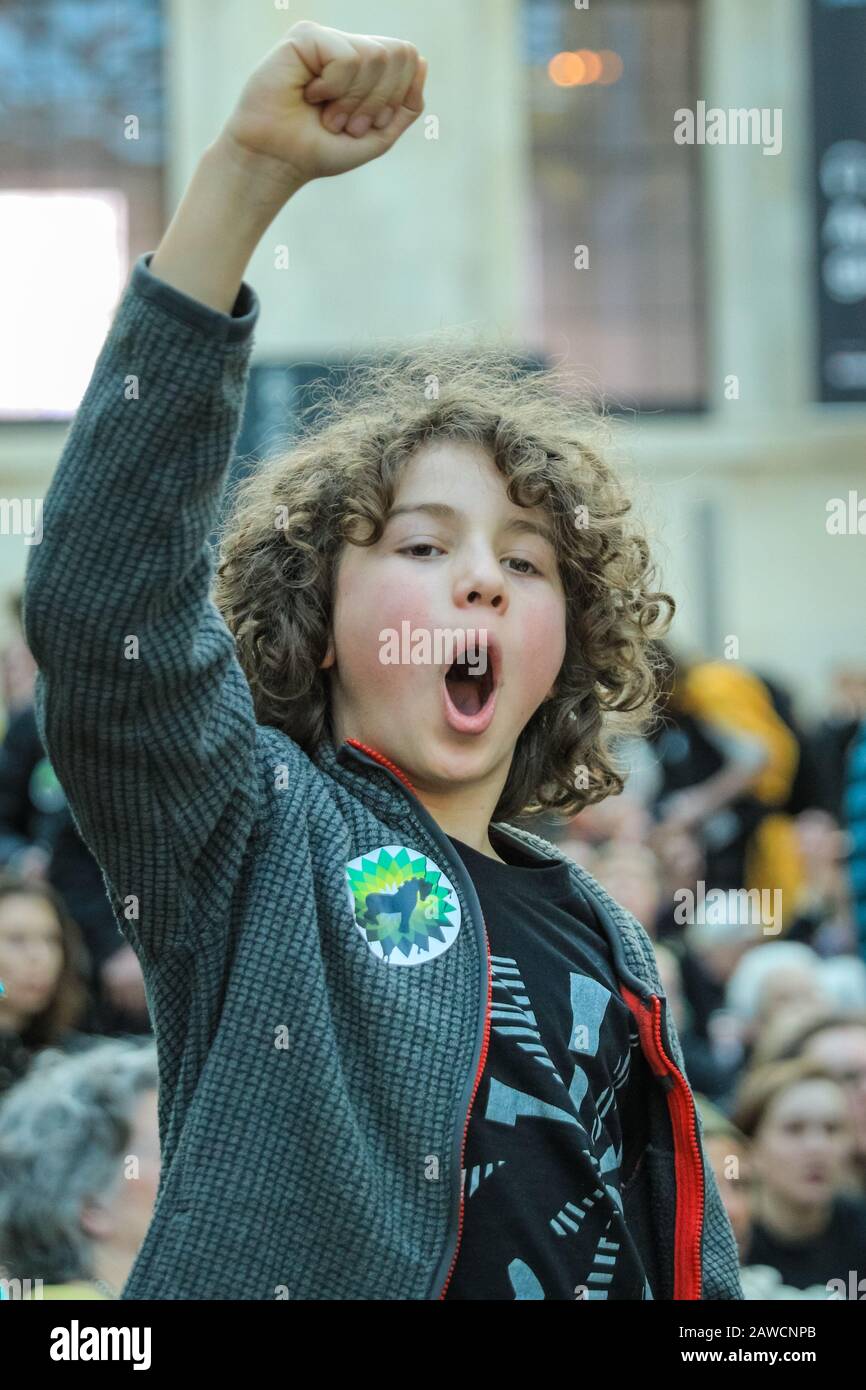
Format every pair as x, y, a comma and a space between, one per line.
323, 102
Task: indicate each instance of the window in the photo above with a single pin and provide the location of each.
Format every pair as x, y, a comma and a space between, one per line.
604, 83
81, 188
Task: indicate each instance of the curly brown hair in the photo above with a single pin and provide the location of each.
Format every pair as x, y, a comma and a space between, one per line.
335, 484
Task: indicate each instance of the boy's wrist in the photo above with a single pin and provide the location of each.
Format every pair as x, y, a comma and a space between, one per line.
226, 210
263, 184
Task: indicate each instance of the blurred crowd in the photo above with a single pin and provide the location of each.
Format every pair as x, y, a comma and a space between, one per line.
739, 842
79, 1137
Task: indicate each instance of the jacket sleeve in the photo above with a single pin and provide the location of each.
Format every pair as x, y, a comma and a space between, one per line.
141, 703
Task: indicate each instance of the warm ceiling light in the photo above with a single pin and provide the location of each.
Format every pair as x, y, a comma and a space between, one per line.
611, 67
592, 65
567, 69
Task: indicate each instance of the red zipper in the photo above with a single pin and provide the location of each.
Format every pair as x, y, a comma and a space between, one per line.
478, 1074
380, 758
688, 1161
386, 762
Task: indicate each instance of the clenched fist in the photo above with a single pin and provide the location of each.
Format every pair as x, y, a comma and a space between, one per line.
323, 102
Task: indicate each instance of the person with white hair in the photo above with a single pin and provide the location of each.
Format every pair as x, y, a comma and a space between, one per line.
79, 1170
844, 980
776, 977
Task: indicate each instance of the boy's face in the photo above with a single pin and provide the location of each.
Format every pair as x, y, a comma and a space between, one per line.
472, 572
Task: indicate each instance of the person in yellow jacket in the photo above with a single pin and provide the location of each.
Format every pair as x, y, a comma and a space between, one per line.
732, 699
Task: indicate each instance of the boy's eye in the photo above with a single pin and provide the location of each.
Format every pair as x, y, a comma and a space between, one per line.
428, 545
419, 545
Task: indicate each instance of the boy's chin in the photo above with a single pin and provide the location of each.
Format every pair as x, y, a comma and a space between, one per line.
454, 757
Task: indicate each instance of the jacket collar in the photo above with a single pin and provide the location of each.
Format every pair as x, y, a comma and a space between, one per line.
354, 760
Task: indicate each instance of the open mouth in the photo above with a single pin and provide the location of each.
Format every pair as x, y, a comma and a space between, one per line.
469, 691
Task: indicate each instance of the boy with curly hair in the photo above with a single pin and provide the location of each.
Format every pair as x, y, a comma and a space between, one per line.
406, 1050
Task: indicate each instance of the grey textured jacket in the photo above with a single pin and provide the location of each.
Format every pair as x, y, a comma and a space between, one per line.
314, 1097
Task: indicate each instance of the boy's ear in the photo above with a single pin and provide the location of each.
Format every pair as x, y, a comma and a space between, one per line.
330, 656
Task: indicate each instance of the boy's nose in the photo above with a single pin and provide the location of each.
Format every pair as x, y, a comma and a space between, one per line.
482, 587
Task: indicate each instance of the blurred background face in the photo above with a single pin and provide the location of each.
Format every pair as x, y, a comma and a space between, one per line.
821, 840
471, 573
619, 818
118, 1222
679, 856
843, 1052
630, 874
581, 851
802, 1145
719, 958
792, 992
730, 1164
31, 956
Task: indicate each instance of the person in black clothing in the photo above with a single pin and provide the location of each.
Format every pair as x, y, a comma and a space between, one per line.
40, 841
803, 1224
691, 757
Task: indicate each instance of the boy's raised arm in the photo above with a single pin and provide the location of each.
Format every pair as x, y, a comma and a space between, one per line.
143, 707
289, 127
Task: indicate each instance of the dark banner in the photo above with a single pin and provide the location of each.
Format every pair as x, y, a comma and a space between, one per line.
839, 86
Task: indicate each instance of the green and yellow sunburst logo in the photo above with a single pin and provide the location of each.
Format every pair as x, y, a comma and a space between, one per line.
403, 905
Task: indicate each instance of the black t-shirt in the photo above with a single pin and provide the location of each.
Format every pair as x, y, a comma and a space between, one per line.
558, 1122
817, 1259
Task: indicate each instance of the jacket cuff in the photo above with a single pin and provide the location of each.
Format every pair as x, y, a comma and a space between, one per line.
235, 327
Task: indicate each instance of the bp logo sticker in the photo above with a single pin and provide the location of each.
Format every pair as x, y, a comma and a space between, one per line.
403, 905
